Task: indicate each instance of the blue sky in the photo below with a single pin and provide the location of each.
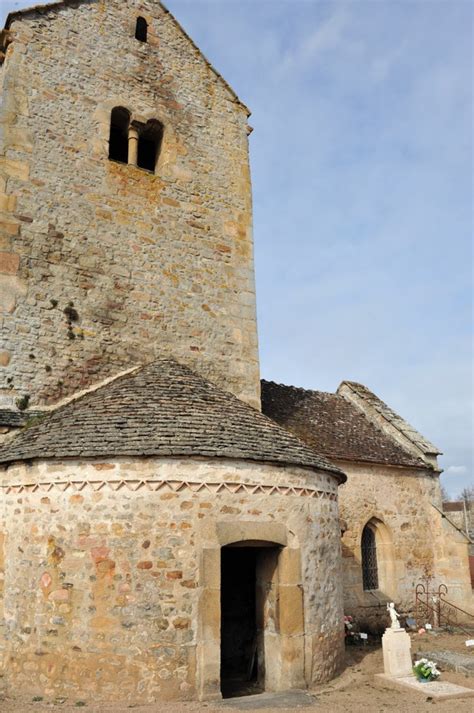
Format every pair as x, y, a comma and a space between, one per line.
362, 177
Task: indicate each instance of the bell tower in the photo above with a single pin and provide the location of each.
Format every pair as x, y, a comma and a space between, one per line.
126, 228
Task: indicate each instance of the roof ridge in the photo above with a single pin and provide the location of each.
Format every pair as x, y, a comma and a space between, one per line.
78, 395
300, 388
73, 3
392, 418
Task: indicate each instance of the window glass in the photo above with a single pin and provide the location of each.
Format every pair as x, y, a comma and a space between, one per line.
370, 577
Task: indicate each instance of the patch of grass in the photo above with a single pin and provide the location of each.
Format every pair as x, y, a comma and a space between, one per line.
33, 420
37, 699
22, 402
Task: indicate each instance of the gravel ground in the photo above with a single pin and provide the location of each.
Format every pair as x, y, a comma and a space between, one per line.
356, 690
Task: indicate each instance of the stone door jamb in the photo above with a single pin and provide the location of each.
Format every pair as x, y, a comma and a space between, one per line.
287, 646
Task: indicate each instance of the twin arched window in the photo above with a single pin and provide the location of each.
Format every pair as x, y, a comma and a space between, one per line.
134, 142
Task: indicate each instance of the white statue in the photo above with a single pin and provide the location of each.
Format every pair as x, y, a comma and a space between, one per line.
395, 623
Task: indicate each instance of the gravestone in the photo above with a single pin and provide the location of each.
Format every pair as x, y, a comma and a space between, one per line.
396, 645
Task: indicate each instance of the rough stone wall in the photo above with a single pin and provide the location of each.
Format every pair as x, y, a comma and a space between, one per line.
103, 265
102, 578
422, 543
460, 517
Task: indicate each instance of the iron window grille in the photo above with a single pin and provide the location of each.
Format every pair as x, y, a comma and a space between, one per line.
370, 575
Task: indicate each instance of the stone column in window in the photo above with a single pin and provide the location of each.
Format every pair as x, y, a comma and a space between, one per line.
132, 145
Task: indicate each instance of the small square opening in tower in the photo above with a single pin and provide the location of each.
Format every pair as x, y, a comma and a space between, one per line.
141, 29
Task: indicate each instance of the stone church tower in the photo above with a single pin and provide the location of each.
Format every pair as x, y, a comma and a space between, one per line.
160, 538
126, 226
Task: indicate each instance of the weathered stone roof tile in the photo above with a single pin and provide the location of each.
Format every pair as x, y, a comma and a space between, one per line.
164, 409
332, 425
16, 419
404, 428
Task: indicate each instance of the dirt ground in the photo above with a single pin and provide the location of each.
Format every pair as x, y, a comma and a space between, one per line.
356, 690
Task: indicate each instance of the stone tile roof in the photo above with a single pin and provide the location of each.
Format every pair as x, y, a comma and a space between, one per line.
163, 409
332, 425
16, 419
373, 401
58, 4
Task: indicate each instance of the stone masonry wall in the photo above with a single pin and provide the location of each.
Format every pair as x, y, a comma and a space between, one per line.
421, 543
104, 265
102, 578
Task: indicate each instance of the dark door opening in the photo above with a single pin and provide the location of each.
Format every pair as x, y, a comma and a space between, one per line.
239, 636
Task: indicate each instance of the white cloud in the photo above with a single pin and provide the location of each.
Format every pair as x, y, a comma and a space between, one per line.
327, 36
456, 470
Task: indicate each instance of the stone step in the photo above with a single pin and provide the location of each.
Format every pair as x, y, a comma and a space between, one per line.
291, 700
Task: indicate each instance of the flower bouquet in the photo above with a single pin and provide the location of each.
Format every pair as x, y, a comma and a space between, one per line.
425, 670
348, 625
353, 637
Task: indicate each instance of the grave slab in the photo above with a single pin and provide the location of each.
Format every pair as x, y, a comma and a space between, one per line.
451, 661
439, 690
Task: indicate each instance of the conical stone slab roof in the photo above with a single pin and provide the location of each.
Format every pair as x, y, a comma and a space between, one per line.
161, 409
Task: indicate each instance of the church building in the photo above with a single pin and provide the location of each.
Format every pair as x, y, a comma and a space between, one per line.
163, 536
